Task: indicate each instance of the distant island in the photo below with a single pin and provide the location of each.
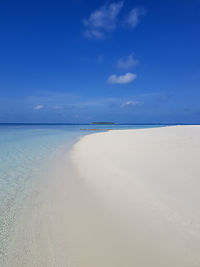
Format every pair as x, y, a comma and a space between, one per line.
103, 123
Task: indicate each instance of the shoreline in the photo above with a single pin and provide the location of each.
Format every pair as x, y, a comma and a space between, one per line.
117, 198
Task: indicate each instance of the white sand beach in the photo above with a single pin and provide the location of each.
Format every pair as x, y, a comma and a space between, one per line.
148, 181
127, 198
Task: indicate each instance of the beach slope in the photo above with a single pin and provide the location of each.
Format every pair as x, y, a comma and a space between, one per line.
147, 183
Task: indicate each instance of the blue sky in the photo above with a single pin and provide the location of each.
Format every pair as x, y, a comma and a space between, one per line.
80, 61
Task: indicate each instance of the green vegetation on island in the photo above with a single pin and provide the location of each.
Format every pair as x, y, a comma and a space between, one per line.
103, 123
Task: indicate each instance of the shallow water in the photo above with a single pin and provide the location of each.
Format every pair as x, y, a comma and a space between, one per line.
23, 151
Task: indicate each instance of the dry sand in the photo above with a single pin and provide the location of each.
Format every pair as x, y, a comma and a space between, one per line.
148, 180
127, 198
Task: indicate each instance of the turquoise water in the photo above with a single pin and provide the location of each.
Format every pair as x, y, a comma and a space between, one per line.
23, 151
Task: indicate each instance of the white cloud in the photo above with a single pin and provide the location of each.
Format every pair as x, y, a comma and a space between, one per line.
126, 78
38, 107
127, 62
131, 103
102, 20
134, 16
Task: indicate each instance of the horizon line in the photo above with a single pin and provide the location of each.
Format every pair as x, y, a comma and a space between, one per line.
88, 123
